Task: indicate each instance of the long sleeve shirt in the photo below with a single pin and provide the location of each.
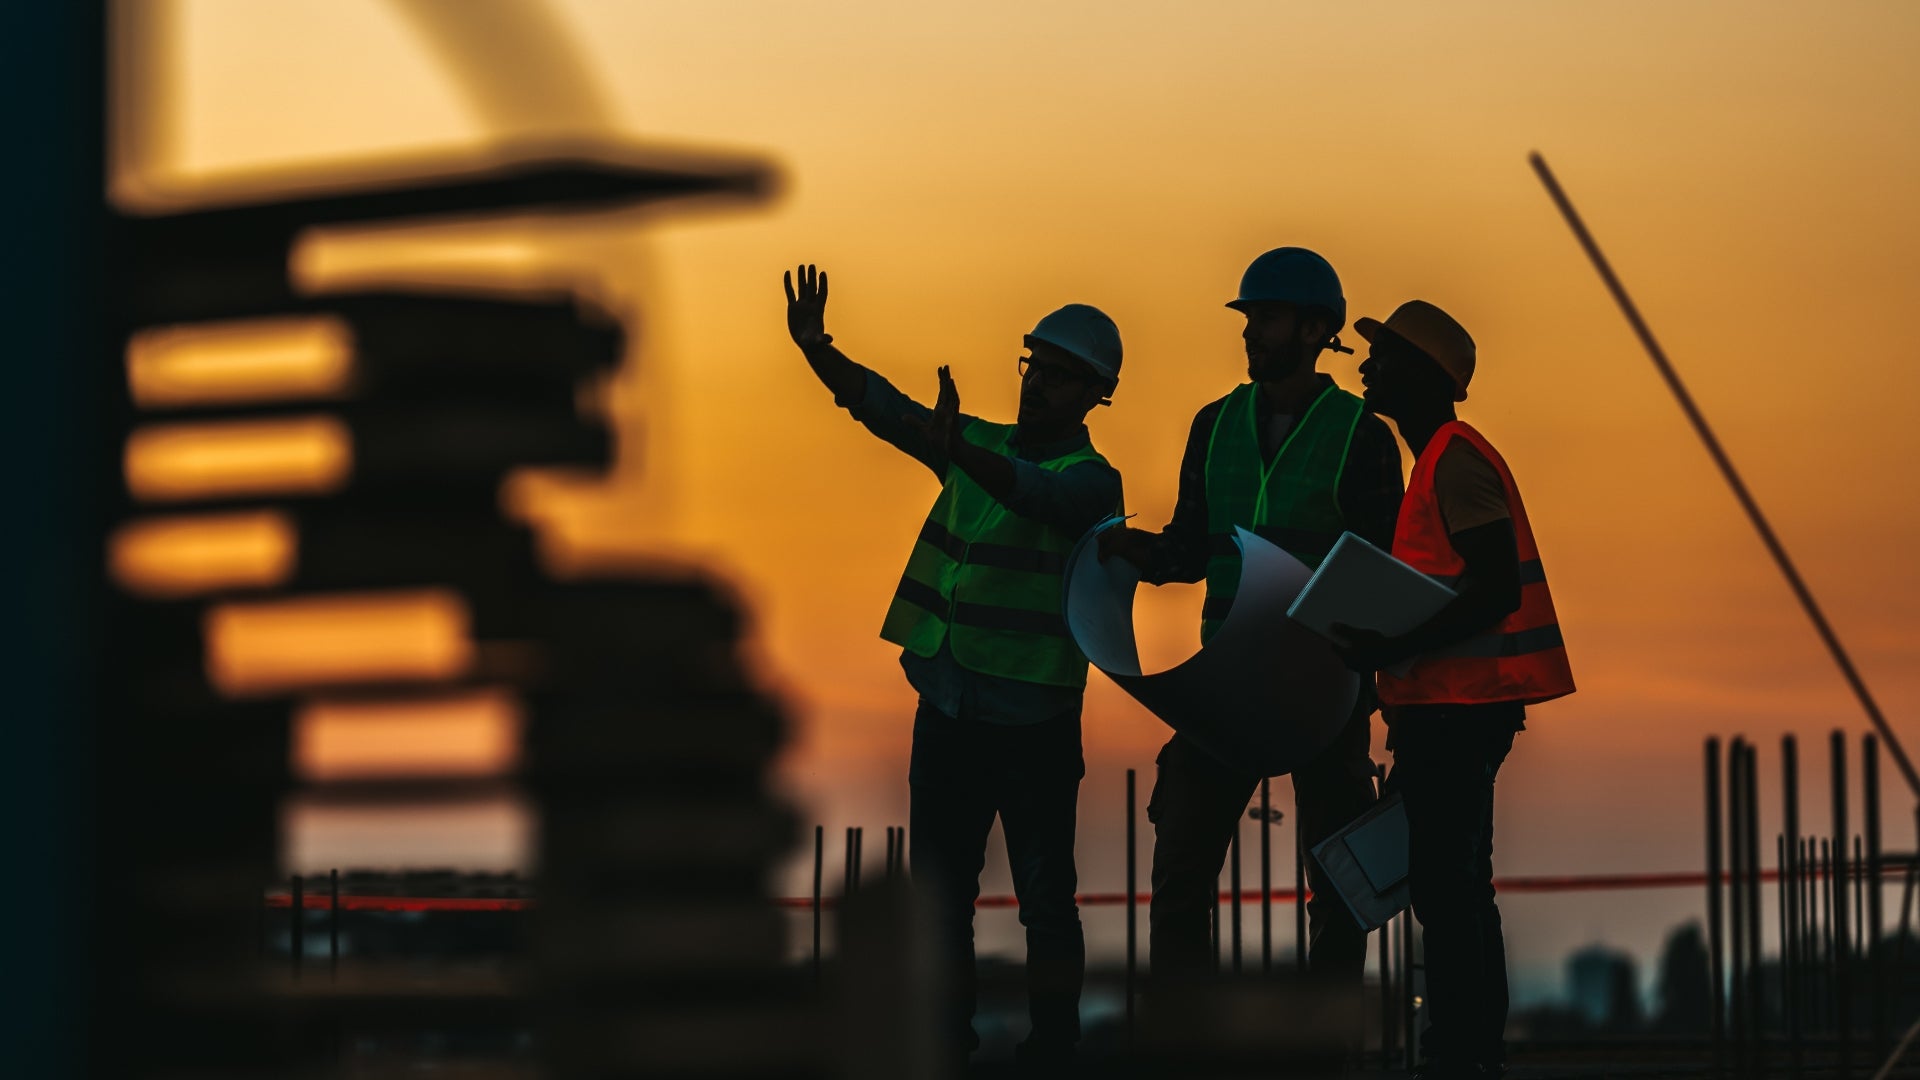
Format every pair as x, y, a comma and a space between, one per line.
1369, 492
1073, 500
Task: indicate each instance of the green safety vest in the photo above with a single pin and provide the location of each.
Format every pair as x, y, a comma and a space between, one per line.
1292, 501
990, 579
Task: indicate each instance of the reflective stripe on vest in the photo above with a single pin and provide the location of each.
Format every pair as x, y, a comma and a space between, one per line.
1523, 658
986, 581
1292, 501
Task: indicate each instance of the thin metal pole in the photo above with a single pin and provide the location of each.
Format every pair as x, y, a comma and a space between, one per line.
847, 886
1790, 865
1826, 929
1299, 889
297, 935
1725, 463
1809, 934
1756, 976
1386, 995
1133, 889
1233, 880
819, 864
1859, 887
1215, 926
1407, 966
1716, 931
333, 924
1843, 941
1737, 904
1808, 950
1782, 879
1266, 876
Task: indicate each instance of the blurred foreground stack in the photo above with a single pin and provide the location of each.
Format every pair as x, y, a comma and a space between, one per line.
330, 538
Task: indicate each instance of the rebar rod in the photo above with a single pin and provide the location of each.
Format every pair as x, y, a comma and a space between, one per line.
1875, 868
1826, 931
1737, 906
1299, 889
1756, 975
1725, 464
333, 924
1786, 949
1386, 994
1790, 868
1133, 889
1842, 940
1266, 876
1716, 930
819, 864
1214, 922
1407, 966
1233, 884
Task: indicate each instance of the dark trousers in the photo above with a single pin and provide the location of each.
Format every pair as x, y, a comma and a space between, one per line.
1444, 762
963, 773
1196, 805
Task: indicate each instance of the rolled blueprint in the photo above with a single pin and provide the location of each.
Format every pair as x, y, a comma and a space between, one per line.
1264, 694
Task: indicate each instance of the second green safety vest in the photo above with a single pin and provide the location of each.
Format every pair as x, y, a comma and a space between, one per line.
990, 580
1292, 501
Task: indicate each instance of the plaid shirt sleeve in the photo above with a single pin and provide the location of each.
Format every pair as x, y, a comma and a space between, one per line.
1371, 485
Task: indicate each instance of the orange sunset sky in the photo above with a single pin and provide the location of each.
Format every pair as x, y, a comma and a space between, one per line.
962, 169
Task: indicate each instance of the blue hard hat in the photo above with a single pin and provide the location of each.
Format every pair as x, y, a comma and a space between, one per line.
1296, 276
1087, 333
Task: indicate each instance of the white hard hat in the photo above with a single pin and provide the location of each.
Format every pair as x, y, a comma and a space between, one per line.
1087, 333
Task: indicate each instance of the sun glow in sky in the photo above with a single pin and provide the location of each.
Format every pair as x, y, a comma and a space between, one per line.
961, 170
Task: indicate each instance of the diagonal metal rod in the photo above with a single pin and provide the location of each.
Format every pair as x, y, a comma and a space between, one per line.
1720, 458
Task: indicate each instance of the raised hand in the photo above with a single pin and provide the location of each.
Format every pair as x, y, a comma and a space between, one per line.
807, 306
944, 428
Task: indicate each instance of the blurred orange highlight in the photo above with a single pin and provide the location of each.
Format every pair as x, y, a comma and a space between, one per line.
187, 556
305, 455
468, 734
239, 362
268, 647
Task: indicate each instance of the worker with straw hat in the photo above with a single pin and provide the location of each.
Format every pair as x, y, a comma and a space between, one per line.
1476, 665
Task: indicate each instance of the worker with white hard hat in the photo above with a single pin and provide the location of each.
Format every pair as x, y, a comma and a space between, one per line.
984, 641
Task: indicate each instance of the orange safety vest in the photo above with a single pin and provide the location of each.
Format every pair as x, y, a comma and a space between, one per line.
1523, 658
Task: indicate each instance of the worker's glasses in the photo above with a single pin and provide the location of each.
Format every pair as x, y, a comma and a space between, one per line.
1049, 376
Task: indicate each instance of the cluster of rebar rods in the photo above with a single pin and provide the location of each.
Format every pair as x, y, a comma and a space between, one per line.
1824, 997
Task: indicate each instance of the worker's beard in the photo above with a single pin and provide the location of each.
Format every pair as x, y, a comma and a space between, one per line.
1277, 365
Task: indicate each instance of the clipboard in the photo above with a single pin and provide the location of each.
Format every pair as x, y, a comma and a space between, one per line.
1366, 862
1360, 585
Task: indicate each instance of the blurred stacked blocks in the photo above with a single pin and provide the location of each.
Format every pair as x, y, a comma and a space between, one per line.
375, 489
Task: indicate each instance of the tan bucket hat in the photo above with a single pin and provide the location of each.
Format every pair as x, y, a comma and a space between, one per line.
1433, 332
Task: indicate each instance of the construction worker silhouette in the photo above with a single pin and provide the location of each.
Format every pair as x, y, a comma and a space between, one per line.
1491, 652
978, 617
1296, 459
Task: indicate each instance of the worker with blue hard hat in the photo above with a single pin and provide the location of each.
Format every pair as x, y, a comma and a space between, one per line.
1294, 458
984, 642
